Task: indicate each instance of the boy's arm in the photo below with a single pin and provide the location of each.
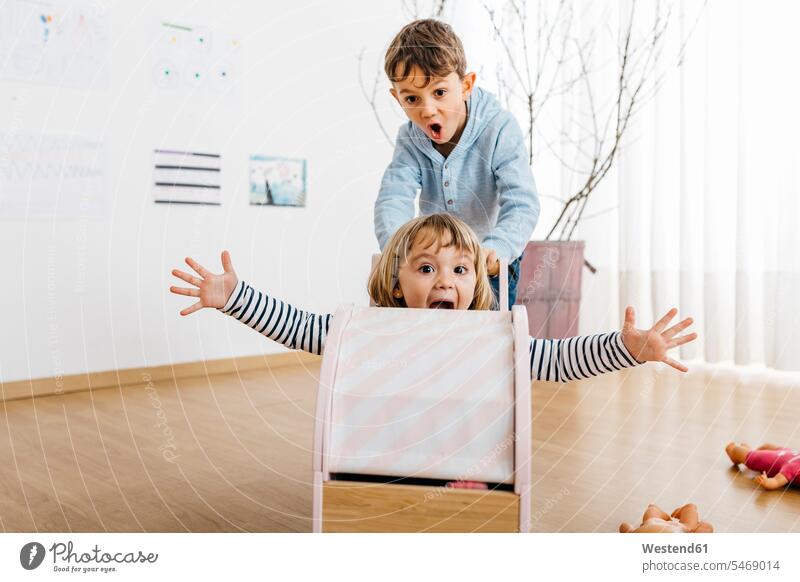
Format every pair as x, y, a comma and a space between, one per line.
279, 321
517, 195
401, 182
575, 358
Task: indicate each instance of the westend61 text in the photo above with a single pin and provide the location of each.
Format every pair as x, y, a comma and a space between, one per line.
671, 549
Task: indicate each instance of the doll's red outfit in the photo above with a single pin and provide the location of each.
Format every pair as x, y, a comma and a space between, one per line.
784, 461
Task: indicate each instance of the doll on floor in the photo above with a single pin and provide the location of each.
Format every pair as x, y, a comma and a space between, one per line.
778, 466
685, 519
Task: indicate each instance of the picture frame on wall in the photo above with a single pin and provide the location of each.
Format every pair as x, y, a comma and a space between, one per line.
277, 181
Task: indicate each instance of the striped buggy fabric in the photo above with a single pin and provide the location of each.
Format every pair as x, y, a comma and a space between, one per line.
430, 396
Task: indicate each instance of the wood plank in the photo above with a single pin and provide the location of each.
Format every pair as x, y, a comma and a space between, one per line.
56, 385
349, 506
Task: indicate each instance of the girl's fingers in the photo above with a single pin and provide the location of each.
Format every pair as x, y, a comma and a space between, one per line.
662, 323
185, 291
630, 318
192, 280
192, 309
679, 341
675, 364
227, 265
678, 327
200, 269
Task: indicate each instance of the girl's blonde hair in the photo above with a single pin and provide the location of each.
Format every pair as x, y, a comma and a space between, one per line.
443, 230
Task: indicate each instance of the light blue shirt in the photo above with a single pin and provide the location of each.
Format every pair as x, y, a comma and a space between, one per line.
486, 180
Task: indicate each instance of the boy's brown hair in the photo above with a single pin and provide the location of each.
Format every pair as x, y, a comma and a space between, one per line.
428, 44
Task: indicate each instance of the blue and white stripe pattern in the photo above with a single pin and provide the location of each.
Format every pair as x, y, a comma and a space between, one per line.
554, 360
576, 358
278, 320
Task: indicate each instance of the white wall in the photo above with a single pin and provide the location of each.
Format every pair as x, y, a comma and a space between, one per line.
89, 294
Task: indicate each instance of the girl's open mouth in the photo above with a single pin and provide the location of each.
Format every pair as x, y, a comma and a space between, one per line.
441, 305
436, 131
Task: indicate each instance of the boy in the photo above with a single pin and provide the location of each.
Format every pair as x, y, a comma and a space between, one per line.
462, 151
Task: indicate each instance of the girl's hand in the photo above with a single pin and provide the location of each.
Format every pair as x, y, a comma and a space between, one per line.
213, 290
652, 345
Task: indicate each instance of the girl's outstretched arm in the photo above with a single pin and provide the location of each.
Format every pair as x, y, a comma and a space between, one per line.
271, 317
575, 358
279, 321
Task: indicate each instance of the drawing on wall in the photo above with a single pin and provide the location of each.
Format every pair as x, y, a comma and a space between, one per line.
277, 181
62, 43
187, 177
50, 176
195, 58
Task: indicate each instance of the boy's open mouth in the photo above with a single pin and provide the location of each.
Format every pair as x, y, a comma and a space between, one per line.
436, 130
442, 305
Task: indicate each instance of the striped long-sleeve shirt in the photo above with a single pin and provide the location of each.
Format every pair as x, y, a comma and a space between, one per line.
559, 360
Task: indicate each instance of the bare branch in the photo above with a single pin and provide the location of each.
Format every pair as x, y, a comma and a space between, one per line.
500, 36
372, 97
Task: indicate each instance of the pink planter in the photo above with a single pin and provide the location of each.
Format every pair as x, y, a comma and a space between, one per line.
550, 287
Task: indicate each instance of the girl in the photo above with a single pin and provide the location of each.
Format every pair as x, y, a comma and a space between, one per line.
433, 262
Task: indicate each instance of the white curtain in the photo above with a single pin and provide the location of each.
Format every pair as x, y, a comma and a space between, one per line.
707, 184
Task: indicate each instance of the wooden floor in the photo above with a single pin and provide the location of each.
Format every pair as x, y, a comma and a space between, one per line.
232, 453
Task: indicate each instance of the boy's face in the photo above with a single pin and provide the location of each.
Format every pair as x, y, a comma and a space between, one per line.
438, 107
437, 277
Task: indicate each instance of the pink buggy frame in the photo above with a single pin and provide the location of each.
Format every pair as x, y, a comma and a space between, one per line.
440, 450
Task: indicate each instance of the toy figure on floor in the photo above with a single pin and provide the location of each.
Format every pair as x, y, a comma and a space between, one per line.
778, 466
683, 520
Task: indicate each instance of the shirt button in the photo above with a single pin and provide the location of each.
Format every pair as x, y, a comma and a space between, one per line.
446, 183
445, 166
450, 201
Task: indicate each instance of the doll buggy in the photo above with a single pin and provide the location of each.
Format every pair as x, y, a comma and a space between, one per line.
413, 399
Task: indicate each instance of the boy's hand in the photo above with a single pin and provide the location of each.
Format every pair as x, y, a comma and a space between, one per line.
492, 262
213, 290
652, 345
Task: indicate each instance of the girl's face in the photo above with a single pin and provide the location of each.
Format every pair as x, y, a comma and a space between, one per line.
437, 277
